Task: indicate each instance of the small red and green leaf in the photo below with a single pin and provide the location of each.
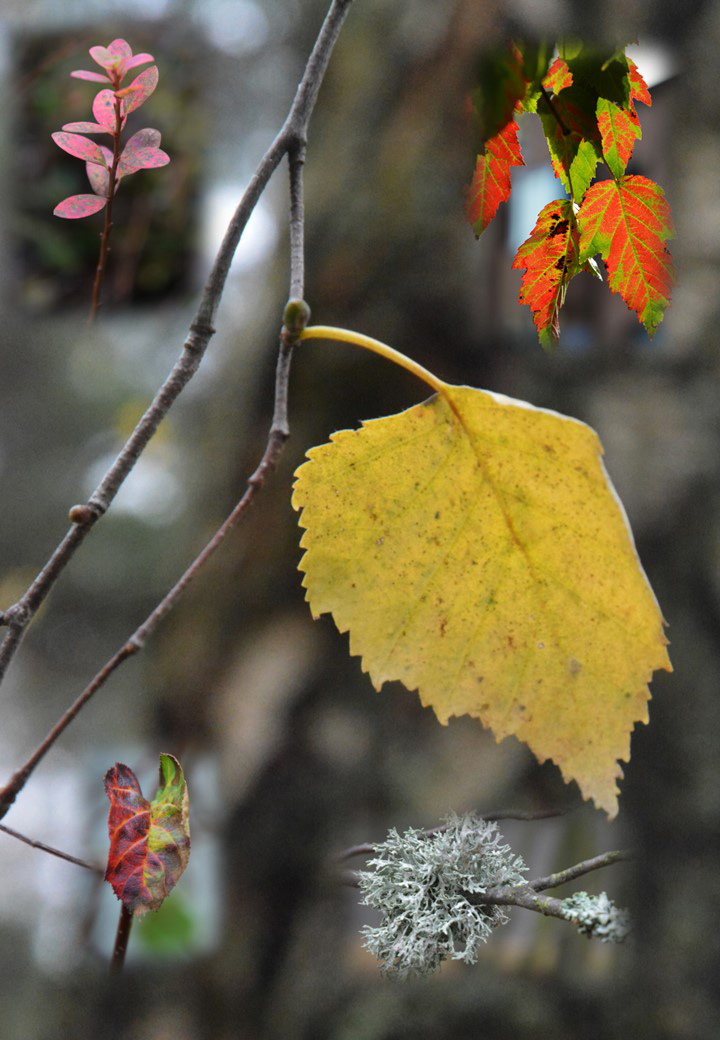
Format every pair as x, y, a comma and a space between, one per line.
549, 258
490, 183
628, 222
559, 77
619, 130
149, 841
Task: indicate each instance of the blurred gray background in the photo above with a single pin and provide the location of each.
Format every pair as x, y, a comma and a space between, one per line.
290, 756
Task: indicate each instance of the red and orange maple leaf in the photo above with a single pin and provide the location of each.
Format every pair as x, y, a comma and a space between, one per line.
628, 222
550, 259
490, 183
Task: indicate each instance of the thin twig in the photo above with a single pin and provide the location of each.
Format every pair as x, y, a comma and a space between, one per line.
53, 852
526, 895
367, 848
277, 437
296, 161
291, 138
606, 859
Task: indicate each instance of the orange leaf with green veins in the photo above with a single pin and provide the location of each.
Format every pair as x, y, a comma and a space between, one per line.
476, 551
149, 841
628, 222
619, 130
550, 259
490, 184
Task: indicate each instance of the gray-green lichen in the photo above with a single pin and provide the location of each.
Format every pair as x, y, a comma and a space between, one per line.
423, 885
598, 917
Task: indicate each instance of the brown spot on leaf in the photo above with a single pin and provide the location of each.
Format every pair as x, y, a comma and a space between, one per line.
559, 229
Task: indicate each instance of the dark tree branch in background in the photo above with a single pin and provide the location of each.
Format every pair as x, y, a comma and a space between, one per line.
291, 141
367, 848
53, 852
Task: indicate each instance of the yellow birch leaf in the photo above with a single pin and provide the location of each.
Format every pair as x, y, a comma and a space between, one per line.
476, 550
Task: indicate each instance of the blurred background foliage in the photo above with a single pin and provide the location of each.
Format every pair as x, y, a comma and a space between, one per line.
289, 754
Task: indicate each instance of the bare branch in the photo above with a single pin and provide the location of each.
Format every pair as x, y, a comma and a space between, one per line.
367, 848
291, 139
277, 437
296, 160
525, 896
606, 859
53, 852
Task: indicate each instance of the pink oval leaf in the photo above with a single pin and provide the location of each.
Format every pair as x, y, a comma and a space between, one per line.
95, 77
147, 138
99, 178
149, 841
140, 89
139, 59
79, 206
142, 159
120, 48
79, 146
103, 57
104, 109
86, 128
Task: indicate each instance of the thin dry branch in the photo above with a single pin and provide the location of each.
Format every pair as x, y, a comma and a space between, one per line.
49, 848
526, 896
291, 141
367, 848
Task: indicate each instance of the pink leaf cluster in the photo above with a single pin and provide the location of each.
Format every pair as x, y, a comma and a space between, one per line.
105, 166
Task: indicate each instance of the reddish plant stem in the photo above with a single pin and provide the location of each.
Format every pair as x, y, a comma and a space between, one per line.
105, 236
121, 941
